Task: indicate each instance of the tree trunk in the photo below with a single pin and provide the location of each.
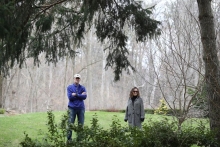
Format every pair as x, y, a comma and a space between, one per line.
92, 103
211, 62
1, 95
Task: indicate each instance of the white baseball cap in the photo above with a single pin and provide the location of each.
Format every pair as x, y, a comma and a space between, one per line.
77, 76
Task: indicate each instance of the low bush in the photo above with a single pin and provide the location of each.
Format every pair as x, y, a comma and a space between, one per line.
153, 134
2, 111
174, 112
149, 111
122, 111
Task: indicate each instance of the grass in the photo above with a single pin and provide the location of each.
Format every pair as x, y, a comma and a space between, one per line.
12, 128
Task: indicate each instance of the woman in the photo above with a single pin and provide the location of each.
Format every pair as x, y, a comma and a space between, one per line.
135, 109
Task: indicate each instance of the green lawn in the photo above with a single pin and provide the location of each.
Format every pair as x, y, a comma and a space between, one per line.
12, 128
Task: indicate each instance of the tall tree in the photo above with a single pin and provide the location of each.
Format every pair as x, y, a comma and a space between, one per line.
211, 60
32, 27
1, 95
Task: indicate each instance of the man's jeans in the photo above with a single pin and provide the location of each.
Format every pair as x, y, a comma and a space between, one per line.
72, 116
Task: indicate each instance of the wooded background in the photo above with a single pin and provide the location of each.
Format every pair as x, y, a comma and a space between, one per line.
167, 67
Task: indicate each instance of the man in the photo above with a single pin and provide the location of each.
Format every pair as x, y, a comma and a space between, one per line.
76, 94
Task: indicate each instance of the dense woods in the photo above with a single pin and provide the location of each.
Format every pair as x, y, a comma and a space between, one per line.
166, 67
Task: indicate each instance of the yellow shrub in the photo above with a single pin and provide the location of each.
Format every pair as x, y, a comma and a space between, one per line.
162, 109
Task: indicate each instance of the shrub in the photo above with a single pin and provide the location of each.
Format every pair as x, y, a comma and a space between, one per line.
153, 134
122, 111
174, 112
162, 108
2, 111
149, 111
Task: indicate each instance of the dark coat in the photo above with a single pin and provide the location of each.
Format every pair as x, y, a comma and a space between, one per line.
134, 112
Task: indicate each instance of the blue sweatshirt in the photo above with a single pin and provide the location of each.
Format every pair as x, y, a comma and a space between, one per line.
76, 102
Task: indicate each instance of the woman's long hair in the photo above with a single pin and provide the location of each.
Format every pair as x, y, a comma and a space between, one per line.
131, 92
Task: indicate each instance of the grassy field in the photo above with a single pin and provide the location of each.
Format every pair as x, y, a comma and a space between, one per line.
12, 128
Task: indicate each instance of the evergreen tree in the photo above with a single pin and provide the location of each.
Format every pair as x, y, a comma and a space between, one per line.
31, 27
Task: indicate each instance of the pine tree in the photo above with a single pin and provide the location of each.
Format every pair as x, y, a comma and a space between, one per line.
31, 27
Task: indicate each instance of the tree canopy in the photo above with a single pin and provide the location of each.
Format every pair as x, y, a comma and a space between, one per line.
28, 28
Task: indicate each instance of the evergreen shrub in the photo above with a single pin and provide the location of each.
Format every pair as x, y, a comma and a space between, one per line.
174, 112
161, 133
149, 111
162, 109
2, 111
